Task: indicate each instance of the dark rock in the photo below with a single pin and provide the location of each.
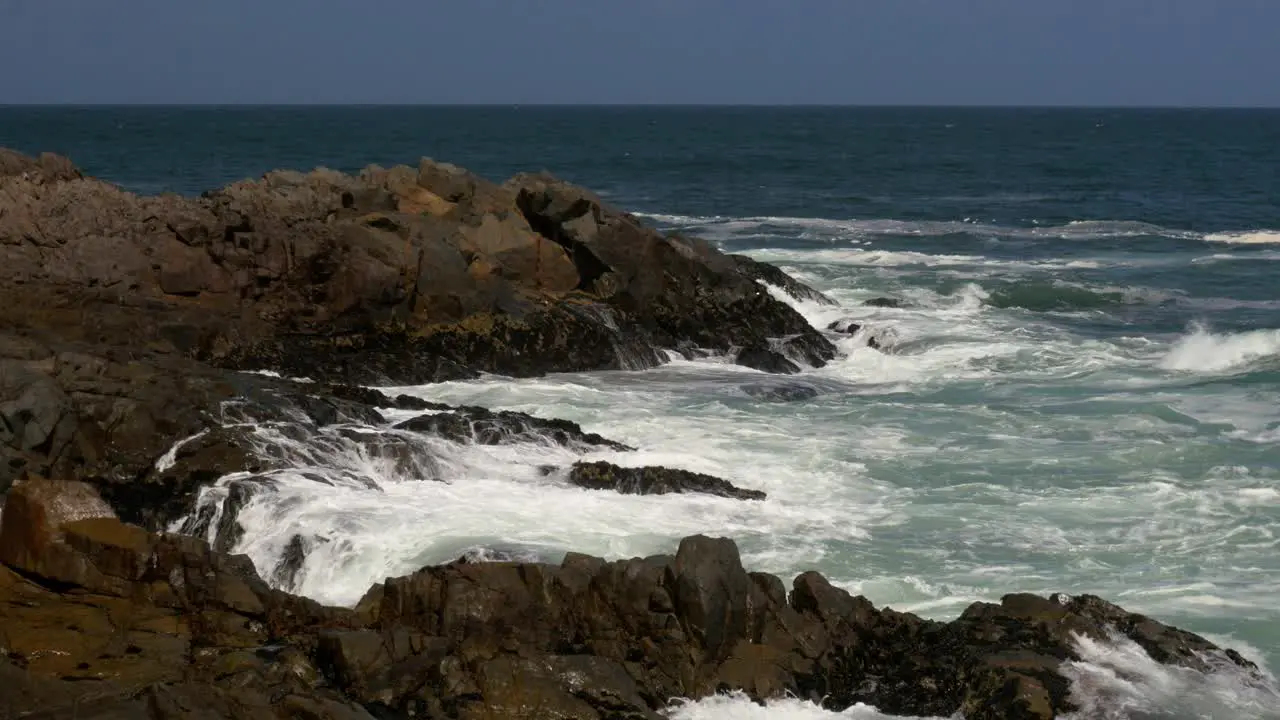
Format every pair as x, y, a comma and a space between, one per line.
848, 327
374, 398
168, 490
788, 392
883, 302
763, 358
772, 275
90, 598
485, 427
674, 289
654, 481
285, 574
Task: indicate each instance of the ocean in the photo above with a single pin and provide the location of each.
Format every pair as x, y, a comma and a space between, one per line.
1079, 390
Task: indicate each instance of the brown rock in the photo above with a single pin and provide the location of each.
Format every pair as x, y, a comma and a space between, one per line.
32, 537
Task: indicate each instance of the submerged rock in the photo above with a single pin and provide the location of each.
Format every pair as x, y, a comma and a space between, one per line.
788, 392
486, 427
883, 302
91, 598
654, 481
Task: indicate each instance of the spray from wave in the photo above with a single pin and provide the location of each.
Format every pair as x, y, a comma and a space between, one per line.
737, 706
1117, 680
1205, 351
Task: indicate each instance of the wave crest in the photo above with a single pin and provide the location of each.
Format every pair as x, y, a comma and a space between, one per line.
1204, 351
1247, 237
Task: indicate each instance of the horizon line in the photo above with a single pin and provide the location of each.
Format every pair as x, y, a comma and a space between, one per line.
637, 105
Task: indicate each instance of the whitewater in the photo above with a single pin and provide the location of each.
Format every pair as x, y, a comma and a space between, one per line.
1040, 423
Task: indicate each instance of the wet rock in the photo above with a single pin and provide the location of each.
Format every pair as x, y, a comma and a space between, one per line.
375, 398
169, 489
846, 326
788, 392
849, 327
883, 302
675, 289
31, 536
100, 600
285, 573
485, 427
654, 481
772, 275
766, 359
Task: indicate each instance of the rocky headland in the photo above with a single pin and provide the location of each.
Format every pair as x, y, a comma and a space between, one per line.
141, 337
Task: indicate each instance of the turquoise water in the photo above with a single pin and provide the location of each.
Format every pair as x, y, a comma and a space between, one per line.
1081, 391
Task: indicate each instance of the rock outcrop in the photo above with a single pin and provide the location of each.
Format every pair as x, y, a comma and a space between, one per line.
102, 619
654, 481
393, 276
126, 325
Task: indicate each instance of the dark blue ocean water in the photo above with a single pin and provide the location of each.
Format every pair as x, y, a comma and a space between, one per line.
1081, 392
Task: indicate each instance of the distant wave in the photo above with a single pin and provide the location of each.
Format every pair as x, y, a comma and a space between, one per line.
1248, 237
1079, 230
904, 258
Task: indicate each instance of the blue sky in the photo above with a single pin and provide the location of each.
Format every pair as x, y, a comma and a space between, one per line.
968, 52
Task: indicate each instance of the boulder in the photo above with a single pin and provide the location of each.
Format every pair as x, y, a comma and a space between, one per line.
766, 359
32, 535
484, 427
785, 392
883, 302
654, 481
849, 327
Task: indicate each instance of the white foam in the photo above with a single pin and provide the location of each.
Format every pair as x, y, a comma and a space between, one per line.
853, 228
170, 456
737, 706
1118, 680
1248, 237
987, 451
377, 519
1204, 351
274, 374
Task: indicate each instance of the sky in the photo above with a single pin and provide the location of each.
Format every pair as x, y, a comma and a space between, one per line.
831, 52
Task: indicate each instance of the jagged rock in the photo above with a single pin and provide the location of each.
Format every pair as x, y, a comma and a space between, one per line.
485, 427
849, 327
882, 302
773, 275
766, 359
585, 638
376, 398
677, 289
285, 574
391, 276
654, 481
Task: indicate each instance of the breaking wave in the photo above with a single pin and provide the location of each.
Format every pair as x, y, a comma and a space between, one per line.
1118, 680
1248, 237
1205, 351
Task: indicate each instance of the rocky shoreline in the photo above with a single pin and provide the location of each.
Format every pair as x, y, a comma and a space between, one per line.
142, 338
